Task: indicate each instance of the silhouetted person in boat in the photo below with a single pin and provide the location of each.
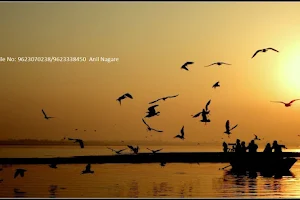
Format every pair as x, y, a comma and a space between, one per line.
268, 148
243, 147
225, 147
237, 148
277, 155
277, 147
252, 147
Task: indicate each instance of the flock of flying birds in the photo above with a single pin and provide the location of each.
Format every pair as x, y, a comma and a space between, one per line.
152, 112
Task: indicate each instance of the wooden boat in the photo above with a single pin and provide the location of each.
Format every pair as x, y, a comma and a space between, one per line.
267, 165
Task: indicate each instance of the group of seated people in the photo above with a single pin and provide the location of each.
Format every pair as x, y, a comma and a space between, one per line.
240, 147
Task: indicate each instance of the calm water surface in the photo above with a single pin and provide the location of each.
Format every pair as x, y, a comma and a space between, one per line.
139, 180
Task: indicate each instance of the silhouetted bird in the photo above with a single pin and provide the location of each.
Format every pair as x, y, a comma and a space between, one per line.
216, 85
206, 107
181, 136
117, 151
149, 128
204, 112
163, 163
286, 104
135, 150
45, 115
76, 129
228, 129
87, 170
151, 111
53, 165
154, 151
263, 50
256, 138
204, 117
1, 180
79, 141
19, 172
218, 63
197, 115
127, 95
185, 65
163, 98
1, 169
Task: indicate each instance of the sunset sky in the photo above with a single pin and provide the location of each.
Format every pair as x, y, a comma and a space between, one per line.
152, 41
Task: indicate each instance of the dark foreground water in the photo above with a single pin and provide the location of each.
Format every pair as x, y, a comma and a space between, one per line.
142, 180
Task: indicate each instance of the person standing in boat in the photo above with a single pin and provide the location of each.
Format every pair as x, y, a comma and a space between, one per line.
277, 147
252, 147
225, 147
243, 147
238, 146
268, 148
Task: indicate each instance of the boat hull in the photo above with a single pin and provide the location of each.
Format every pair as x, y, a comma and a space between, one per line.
267, 165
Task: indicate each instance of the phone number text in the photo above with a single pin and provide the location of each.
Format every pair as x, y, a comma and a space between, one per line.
51, 59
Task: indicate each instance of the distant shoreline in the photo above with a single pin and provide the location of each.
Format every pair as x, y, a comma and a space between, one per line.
32, 142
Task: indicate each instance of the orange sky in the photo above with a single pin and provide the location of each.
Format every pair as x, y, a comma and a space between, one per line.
152, 41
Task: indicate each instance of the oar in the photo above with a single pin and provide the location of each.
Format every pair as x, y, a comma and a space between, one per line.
224, 167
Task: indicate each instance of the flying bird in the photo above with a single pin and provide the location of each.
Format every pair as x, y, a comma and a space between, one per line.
19, 172
197, 115
181, 135
218, 63
206, 107
204, 112
45, 115
151, 111
286, 104
185, 65
79, 141
135, 150
163, 98
87, 170
154, 151
149, 128
256, 137
228, 129
127, 95
217, 84
117, 151
1, 180
204, 117
53, 165
263, 50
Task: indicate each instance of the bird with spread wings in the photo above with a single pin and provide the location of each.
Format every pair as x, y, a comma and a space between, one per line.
184, 66
163, 98
264, 50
